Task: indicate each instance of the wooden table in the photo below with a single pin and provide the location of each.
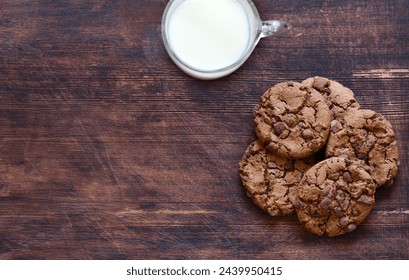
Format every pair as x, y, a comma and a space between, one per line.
109, 151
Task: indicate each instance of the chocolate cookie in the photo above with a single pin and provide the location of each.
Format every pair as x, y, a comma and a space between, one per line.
270, 180
339, 98
335, 196
368, 136
292, 120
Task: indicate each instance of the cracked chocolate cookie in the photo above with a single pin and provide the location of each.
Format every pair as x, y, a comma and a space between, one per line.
339, 98
368, 136
292, 120
270, 180
335, 196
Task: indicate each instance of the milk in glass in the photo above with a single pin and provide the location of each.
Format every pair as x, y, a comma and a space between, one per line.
209, 34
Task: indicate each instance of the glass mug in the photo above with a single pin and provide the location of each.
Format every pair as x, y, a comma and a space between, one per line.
209, 39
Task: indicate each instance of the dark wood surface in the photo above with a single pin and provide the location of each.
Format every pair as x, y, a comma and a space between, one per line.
109, 151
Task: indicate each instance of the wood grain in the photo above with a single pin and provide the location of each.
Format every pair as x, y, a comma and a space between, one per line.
109, 151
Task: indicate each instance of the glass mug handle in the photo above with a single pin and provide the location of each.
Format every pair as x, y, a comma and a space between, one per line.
271, 27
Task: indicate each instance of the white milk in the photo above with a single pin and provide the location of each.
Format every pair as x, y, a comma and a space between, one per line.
209, 34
